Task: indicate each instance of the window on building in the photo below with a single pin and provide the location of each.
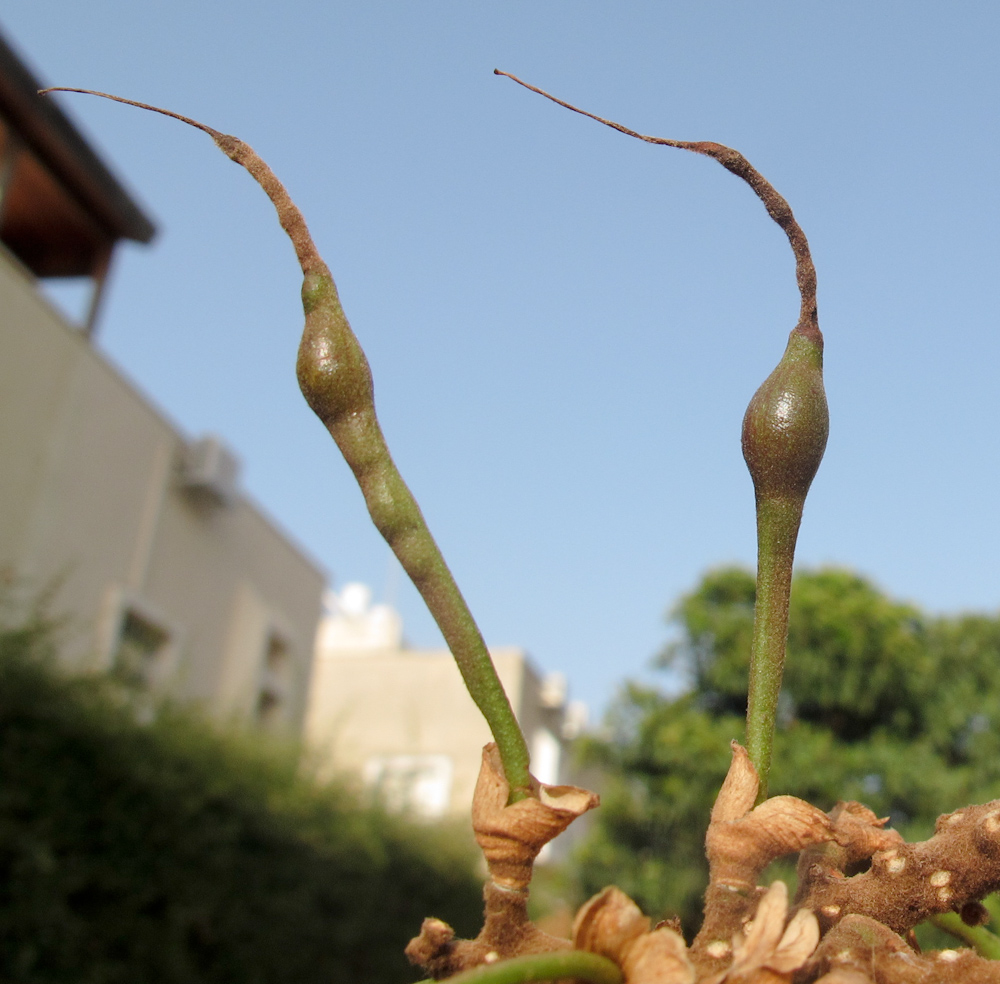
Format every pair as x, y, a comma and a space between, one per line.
142, 645
272, 696
546, 752
415, 784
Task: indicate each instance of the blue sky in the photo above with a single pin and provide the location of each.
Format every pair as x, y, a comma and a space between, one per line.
565, 325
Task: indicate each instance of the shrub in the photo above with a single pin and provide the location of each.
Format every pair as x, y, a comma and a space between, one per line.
168, 852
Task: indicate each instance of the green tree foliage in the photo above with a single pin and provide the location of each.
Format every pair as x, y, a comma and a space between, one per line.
166, 853
881, 703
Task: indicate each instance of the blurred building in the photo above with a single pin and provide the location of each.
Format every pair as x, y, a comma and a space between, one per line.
170, 577
402, 720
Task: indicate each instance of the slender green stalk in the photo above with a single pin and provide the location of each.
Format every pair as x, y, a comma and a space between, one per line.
574, 964
777, 530
336, 381
330, 351
985, 943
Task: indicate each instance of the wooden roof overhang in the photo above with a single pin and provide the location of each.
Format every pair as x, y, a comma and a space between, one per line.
61, 210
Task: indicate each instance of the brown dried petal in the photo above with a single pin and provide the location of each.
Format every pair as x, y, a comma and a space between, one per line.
771, 951
608, 924
511, 836
659, 957
764, 932
797, 943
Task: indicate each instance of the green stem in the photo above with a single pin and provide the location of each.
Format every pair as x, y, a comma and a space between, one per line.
985, 943
577, 964
778, 522
329, 357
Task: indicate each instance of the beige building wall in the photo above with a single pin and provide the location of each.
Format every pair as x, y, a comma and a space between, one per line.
97, 497
402, 720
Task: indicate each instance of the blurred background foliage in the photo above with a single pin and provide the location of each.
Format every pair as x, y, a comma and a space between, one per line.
167, 852
138, 846
882, 703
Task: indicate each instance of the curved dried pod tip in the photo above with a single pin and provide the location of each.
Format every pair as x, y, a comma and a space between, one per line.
784, 435
512, 834
336, 381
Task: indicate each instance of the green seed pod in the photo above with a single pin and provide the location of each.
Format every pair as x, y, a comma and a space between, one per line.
784, 436
336, 381
786, 424
785, 427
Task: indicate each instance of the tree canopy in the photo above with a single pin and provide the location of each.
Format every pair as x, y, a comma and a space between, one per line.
881, 703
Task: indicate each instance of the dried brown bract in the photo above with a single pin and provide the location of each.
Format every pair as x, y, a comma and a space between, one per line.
741, 842
609, 924
769, 950
511, 836
659, 957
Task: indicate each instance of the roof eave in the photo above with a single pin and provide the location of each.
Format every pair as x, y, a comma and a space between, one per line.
52, 136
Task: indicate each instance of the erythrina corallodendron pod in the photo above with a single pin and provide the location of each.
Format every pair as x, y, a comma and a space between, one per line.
784, 436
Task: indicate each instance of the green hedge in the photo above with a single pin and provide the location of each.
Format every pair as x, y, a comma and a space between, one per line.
168, 853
